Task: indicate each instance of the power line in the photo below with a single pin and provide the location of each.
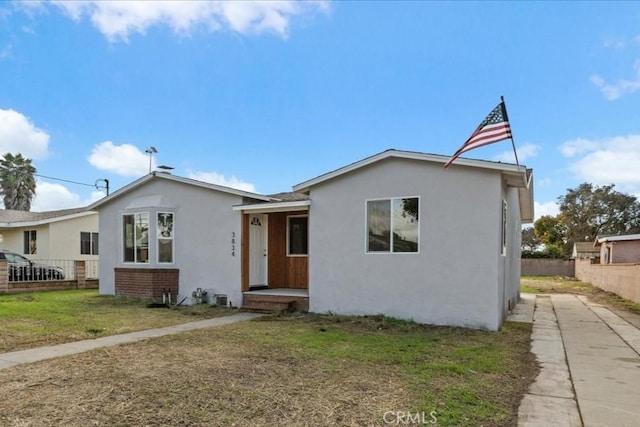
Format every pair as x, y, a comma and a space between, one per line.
64, 180
106, 182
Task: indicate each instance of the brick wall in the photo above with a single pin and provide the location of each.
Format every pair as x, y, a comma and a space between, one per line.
146, 282
621, 279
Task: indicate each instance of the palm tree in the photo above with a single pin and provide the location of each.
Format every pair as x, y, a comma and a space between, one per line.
17, 185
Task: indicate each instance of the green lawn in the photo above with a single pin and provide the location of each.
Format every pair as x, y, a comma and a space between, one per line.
44, 318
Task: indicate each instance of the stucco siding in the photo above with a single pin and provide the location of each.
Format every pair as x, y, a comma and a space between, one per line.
204, 225
64, 237
13, 240
623, 251
511, 259
454, 279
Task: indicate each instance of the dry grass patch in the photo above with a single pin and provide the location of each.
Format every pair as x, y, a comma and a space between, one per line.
571, 285
297, 371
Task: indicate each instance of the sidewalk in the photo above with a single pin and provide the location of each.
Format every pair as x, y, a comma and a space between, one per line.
590, 365
7, 360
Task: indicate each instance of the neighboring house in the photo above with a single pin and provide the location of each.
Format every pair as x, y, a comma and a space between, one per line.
392, 234
69, 234
585, 250
619, 249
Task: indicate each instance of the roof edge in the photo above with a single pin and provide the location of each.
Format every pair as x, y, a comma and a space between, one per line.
436, 158
188, 181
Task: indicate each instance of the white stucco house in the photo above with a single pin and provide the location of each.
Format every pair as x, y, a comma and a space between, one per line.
167, 234
391, 234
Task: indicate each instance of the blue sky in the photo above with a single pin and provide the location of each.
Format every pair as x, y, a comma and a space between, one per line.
262, 96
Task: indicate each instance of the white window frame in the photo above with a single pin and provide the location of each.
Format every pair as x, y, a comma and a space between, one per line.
391, 224
503, 229
158, 238
93, 237
122, 237
289, 254
31, 233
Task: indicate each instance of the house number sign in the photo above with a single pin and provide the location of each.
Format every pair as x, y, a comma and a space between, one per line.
233, 243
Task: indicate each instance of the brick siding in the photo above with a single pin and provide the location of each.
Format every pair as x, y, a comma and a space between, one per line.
146, 282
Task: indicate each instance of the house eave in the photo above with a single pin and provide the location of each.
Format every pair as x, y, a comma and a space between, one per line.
621, 238
517, 174
299, 205
188, 181
35, 223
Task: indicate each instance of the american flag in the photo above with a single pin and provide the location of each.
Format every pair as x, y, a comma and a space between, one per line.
492, 129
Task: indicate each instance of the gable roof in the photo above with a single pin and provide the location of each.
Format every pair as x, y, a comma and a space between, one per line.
515, 175
520, 173
187, 181
14, 218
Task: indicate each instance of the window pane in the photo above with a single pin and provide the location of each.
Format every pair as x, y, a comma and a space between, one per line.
128, 238
142, 237
30, 245
165, 225
94, 243
405, 225
298, 237
379, 225
165, 250
85, 243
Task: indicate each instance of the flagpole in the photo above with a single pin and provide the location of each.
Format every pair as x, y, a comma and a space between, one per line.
513, 144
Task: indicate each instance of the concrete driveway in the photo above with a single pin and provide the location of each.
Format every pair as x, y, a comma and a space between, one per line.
590, 363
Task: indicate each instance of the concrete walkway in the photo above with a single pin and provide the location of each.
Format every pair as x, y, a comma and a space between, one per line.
590, 365
7, 360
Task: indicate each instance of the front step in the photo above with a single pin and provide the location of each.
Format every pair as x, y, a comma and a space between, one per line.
258, 303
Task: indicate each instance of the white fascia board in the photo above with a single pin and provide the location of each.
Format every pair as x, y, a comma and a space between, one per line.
182, 180
45, 221
217, 187
619, 238
507, 168
299, 205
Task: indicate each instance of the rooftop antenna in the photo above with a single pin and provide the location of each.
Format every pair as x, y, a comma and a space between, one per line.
151, 150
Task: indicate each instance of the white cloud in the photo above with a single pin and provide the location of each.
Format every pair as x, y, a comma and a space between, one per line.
5, 52
51, 197
117, 20
525, 152
612, 91
218, 179
577, 146
614, 43
545, 208
543, 182
614, 160
19, 135
125, 159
